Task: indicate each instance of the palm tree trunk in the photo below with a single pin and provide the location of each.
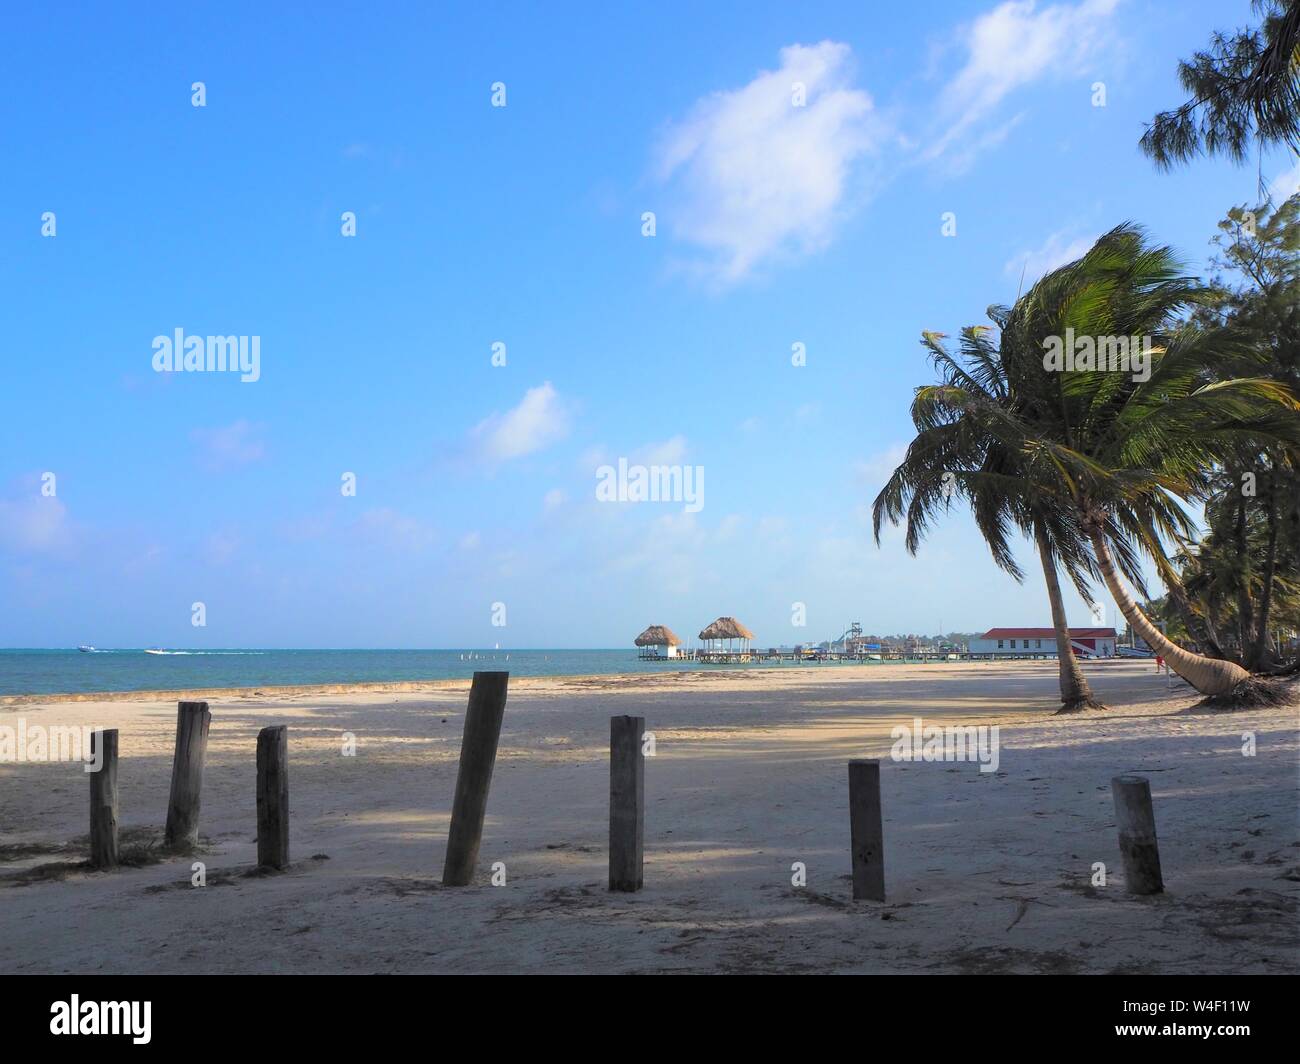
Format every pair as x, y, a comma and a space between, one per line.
1208, 675
1260, 651
1245, 611
1075, 692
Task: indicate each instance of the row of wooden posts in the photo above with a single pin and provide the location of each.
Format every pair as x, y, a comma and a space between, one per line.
182, 830
1134, 816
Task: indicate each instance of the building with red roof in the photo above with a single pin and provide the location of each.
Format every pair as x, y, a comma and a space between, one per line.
1041, 642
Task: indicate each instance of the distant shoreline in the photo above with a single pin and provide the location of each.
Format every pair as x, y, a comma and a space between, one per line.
417, 686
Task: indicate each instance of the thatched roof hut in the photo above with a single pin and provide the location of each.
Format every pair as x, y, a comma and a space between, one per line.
726, 628
658, 635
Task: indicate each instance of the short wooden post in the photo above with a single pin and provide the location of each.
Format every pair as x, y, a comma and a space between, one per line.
866, 831
103, 799
273, 797
626, 802
1136, 821
478, 754
192, 721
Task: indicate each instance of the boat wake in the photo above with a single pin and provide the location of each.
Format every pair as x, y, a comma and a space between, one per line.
207, 653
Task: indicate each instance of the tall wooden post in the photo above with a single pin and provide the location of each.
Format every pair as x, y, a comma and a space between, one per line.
192, 721
626, 802
103, 799
1136, 821
478, 754
273, 797
866, 831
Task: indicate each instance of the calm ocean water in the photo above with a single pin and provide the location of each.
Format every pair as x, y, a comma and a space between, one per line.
71, 671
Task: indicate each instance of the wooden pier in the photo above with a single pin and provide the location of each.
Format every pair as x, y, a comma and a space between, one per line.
778, 655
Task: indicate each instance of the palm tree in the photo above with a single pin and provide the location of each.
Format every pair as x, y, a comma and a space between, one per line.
969, 441
1243, 570
1254, 511
1197, 594
1128, 448
1097, 458
1246, 87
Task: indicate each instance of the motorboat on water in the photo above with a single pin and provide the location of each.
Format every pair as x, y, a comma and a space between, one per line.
86, 650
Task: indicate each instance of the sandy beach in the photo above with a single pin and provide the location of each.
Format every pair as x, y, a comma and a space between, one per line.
986, 871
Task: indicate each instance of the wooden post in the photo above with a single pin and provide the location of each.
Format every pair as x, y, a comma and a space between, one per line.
626, 802
273, 797
103, 799
866, 831
478, 754
192, 720
1136, 821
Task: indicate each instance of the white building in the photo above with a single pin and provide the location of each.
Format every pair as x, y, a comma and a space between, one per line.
1041, 642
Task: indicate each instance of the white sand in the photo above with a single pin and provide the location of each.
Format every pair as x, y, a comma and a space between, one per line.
985, 872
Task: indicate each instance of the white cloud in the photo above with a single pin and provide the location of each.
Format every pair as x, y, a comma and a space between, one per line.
220, 547
35, 525
1286, 184
554, 499
307, 527
592, 458
671, 451
1009, 48
393, 530
874, 471
228, 447
693, 546
754, 176
538, 421
1055, 251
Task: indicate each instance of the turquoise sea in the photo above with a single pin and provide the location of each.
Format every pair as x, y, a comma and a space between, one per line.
72, 672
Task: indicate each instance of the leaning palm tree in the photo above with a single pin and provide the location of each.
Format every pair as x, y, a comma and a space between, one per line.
1128, 448
1105, 457
971, 442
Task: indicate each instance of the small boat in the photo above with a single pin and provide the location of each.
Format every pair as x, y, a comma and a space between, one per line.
86, 650
154, 650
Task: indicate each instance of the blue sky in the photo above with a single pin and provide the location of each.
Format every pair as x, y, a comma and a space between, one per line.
522, 224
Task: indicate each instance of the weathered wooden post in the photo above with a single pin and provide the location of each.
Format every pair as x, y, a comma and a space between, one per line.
866, 831
103, 799
1136, 821
192, 721
273, 797
626, 802
478, 754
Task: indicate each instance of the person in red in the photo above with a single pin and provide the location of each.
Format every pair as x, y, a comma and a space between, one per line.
1160, 663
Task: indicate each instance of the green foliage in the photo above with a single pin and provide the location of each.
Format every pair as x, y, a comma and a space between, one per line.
1243, 576
1090, 448
1245, 87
